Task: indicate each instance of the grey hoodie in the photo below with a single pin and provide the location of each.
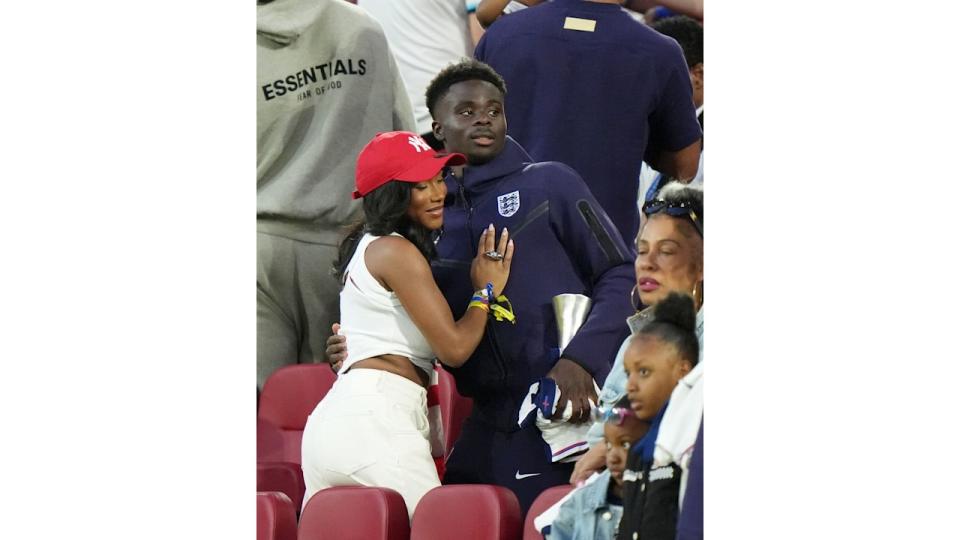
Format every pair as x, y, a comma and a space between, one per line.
326, 84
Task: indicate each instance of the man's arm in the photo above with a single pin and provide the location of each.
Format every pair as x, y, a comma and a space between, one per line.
336, 348
489, 10
476, 30
682, 164
675, 135
605, 262
693, 8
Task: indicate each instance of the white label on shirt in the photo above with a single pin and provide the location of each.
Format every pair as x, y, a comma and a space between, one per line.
583, 25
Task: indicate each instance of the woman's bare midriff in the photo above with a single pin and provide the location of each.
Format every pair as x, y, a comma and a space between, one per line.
396, 364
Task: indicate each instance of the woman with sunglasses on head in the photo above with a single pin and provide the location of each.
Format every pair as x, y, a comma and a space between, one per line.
669, 259
371, 428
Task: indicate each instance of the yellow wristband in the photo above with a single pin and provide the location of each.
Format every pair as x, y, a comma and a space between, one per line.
502, 310
480, 305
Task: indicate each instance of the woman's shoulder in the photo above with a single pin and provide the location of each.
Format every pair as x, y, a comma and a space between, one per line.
388, 243
391, 249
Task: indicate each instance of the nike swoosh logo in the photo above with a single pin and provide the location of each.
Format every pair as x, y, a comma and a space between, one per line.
522, 476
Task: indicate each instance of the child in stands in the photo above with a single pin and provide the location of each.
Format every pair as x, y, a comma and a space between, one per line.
593, 511
659, 356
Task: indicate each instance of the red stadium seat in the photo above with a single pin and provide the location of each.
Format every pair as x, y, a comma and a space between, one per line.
467, 512
286, 478
545, 500
289, 396
270, 442
454, 409
344, 513
276, 519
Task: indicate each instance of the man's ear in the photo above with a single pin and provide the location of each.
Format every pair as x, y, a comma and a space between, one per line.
696, 74
437, 130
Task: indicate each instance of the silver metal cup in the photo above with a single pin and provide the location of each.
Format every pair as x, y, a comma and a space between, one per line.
570, 311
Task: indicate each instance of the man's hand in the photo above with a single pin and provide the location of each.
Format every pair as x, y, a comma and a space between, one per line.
336, 348
576, 386
594, 460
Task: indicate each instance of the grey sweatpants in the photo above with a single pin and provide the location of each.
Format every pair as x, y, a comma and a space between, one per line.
297, 301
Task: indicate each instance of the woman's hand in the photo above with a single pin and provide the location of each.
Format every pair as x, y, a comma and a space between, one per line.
592, 461
496, 270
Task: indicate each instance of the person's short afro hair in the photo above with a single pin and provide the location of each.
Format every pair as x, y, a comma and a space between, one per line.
468, 69
687, 32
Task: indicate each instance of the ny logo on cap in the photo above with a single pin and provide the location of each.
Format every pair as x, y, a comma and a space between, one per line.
419, 144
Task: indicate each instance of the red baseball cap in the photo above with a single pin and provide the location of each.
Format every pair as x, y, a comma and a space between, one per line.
399, 155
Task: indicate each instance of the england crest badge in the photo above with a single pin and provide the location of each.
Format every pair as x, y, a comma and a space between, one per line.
509, 203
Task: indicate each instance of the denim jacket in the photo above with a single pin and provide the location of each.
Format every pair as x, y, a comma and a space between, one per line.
587, 515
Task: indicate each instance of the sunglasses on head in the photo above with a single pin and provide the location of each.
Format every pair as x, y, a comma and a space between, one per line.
675, 209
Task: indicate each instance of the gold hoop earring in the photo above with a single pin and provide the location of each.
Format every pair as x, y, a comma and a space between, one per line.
636, 305
697, 298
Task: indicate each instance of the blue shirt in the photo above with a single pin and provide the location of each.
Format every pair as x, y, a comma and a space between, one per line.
598, 100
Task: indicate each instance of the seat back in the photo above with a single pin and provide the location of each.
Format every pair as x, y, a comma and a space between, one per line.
467, 512
454, 408
271, 442
355, 512
276, 519
546, 499
287, 478
289, 396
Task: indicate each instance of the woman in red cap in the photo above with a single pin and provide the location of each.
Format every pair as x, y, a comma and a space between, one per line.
371, 428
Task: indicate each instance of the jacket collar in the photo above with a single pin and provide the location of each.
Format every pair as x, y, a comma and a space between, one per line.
510, 160
645, 446
597, 494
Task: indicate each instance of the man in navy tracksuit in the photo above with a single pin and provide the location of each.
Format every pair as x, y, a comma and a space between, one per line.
565, 244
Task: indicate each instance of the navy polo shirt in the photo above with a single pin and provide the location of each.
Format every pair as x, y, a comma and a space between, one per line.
589, 86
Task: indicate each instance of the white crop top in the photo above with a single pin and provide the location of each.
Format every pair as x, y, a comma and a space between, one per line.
373, 320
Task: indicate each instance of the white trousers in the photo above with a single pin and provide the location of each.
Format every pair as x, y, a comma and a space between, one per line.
370, 430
